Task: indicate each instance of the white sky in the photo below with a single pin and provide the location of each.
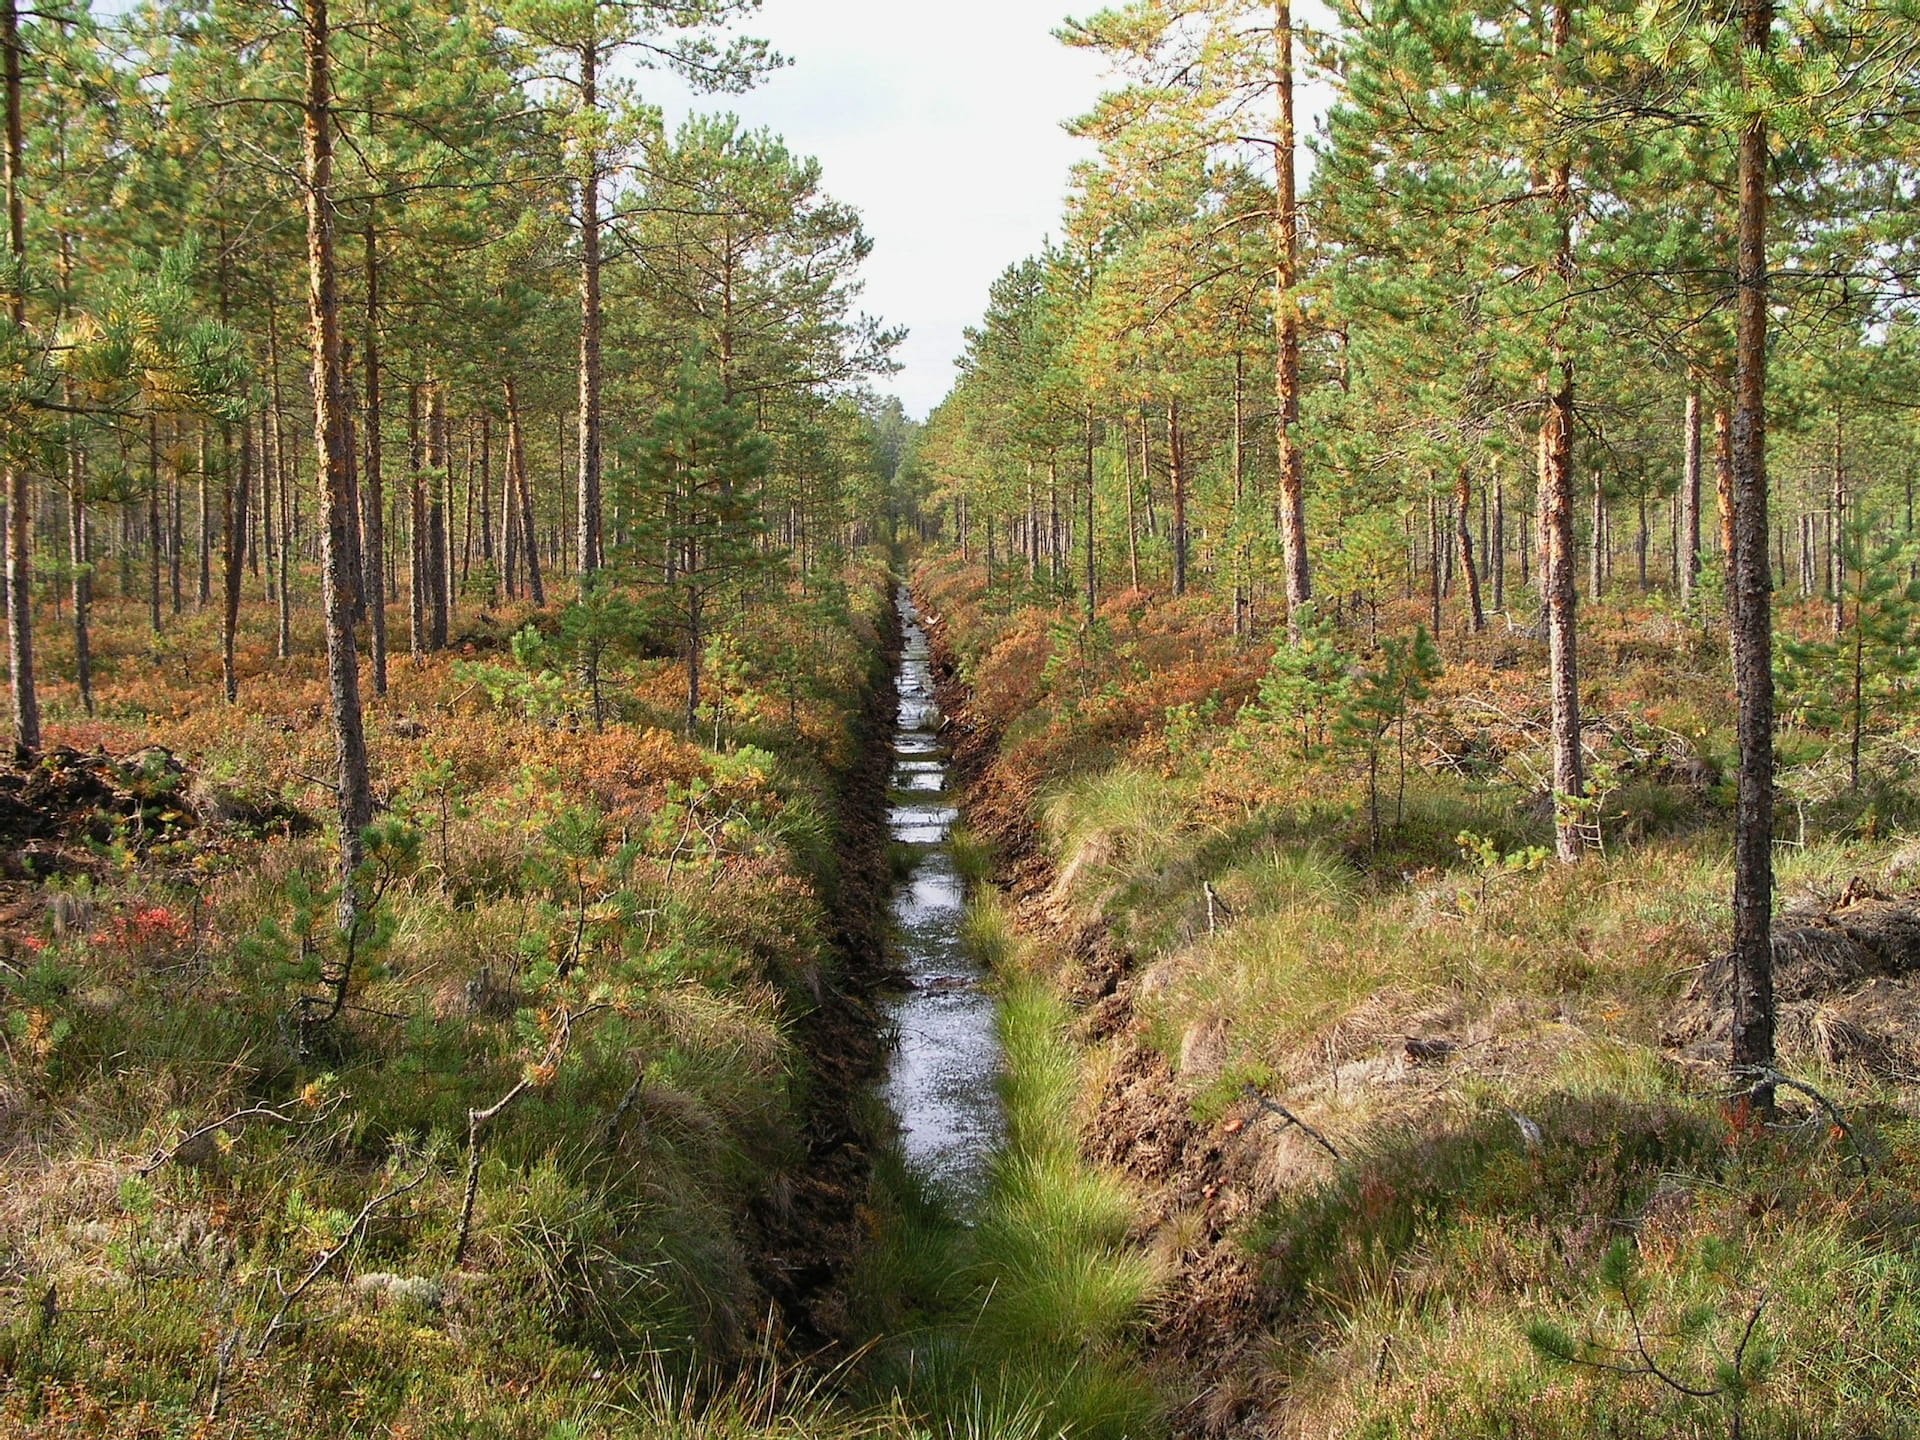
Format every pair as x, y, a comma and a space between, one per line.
940, 120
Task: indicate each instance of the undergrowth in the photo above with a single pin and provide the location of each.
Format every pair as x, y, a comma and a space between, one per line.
1501, 1196
225, 1217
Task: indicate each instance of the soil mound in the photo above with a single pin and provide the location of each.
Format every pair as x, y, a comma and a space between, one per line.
1846, 982
69, 804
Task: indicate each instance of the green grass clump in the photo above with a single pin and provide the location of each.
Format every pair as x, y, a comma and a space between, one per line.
987, 929
972, 854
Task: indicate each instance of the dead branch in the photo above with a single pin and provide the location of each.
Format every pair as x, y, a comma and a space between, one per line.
187, 1142
478, 1119
367, 1212
1765, 1080
1276, 1108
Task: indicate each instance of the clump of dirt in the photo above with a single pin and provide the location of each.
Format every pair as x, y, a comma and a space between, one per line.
1846, 984
58, 812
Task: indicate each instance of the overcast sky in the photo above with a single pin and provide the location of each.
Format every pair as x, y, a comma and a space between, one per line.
941, 121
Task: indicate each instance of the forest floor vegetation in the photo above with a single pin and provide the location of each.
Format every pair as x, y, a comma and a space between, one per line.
580, 1149
1425, 1134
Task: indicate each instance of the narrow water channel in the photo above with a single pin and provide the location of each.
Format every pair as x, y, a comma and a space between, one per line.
941, 1082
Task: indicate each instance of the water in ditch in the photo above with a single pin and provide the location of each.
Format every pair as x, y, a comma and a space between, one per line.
941, 1082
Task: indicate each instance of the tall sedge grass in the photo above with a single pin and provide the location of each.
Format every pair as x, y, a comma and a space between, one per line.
972, 855
1126, 808
987, 929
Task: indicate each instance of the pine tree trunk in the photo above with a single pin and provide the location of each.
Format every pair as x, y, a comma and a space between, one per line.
1641, 539
1752, 590
439, 476
1087, 442
236, 561
1690, 502
349, 437
1597, 554
1497, 550
1146, 473
153, 523
590, 558
486, 507
1133, 527
1286, 326
355, 794
419, 550
374, 554
1242, 566
1837, 509
457, 583
509, 534
268, 536
1435, 549
26, 702
1557, 564
517, 468
176, 535
203, 597
1177, 480
77, 538
285, 474
1462, 504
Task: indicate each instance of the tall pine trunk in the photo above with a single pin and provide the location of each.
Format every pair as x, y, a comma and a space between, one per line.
1177, 479
517, 465
153, 523
439, 474
203, 597
354, 789
1497, 547
1689, 564
1286, 323
1087, 444
374, 556
1597, 553
236, 561
26, 701
486, 507
589, 554
1837, 510
1557, 558
1557, 584
1463, 497
1751, 591
418, 557
285, 476
78, 544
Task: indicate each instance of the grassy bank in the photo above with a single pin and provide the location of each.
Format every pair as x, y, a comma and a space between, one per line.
1498, 1195
556, 1161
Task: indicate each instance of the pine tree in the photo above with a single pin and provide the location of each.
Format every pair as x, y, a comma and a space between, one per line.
697, 474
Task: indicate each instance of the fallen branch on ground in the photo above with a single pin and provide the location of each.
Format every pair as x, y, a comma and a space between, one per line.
1276, 1108
321, 1265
